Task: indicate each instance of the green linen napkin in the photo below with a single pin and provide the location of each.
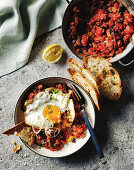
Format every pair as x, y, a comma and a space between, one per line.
20, 22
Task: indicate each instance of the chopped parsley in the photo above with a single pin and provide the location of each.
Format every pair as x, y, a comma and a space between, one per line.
39, 147
56, 91
50, 91
53, 98
43, 143
48, 106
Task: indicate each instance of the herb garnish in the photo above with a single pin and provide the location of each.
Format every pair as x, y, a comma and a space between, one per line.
56, 91
48, 106
43, 143
50, 91
53, 98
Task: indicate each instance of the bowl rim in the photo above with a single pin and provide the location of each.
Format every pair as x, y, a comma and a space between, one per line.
64, 79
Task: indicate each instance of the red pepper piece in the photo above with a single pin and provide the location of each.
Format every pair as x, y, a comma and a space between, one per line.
78, 42
31, 95
40, 87
128, 30
60, 86
84, 40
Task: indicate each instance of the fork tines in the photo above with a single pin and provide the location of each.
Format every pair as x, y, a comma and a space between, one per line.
78, 94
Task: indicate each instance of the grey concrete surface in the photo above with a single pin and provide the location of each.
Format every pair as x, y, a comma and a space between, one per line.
114, 123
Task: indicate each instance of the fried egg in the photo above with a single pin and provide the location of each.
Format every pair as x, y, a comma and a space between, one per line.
47, 108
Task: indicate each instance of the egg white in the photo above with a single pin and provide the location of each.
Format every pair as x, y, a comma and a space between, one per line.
34, 111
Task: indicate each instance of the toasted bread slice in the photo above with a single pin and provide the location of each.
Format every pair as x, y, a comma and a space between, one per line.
112, 92
111, 72
78, 67
96, 64
111, 84
14, 129
81, 80
107, 77
23, 131
27, 135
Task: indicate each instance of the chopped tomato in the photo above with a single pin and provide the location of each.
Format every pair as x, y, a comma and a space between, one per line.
128, 17
78, 42
128, 30
40, 86
99, 31
31, 95
126, 37
118, 26
84, 40
60, 86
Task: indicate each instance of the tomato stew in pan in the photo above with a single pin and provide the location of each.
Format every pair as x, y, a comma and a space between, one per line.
100, 27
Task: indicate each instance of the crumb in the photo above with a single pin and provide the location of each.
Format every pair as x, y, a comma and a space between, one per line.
16, 149
13, 142
103, 161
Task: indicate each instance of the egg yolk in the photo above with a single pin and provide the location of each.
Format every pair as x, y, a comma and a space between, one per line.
52, 112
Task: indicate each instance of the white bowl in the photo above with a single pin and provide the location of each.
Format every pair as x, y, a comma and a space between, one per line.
70, 147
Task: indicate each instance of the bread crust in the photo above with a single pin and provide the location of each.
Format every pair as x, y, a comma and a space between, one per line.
14, 129
78, 67
86, 58
82, 81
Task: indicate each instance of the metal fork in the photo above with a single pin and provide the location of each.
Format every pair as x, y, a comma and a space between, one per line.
82, 102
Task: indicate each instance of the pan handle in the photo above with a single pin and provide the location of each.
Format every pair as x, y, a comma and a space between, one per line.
68, 1
125, 64
130, 3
